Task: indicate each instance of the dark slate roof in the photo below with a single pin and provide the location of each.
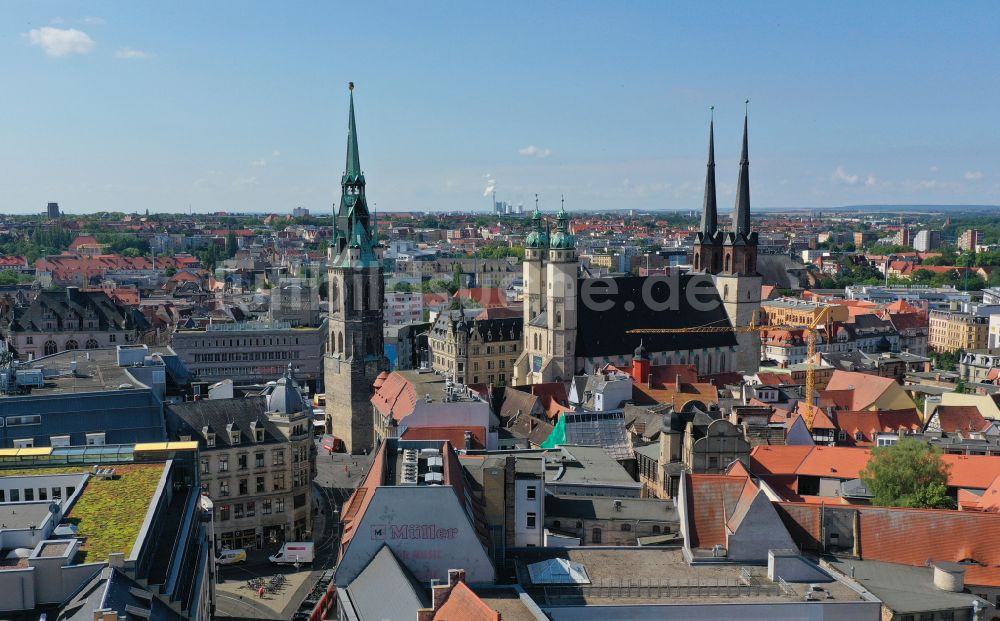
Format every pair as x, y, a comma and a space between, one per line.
603, 332
188, 419
781, 271
605, 508
114, 590
492, 329
385, 589
75, 304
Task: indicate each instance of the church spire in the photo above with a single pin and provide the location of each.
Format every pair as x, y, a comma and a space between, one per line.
352, 170
710, 209
741, 214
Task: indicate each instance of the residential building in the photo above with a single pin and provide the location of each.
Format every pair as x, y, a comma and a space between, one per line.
414, 500
968, 241
295, 301
796, 312
252, 352
952, 331
355, 354
405, 345
405, 401
402, 307
56, 321
511, 487
257, 463
926, 240
993, 334
481, 350
979, 365
131, 536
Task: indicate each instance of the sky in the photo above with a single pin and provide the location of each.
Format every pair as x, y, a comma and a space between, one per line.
242, 106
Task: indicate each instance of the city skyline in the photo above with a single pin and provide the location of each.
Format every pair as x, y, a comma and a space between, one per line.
610, 110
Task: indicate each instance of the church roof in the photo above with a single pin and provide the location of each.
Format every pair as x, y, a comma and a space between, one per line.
604, 332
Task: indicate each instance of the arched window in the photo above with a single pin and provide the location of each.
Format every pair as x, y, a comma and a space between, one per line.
51, 348
697, 260
708, 364
728, 259
722, 363
91, 344
72, 344
697, 363
340, 343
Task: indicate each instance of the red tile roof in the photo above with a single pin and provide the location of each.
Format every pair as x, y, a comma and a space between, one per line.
396, 396
712, 500
774, 459
453, 434
964, 418
871, 422
464, 605
866, 389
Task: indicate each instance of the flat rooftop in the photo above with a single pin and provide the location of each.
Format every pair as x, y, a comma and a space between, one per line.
108, 513
429, 384
23, 514
646, 576
95, 370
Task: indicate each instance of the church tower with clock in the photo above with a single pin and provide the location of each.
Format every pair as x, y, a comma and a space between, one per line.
354, 356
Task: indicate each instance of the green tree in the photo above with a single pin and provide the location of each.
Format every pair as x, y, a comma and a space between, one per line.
231, 245
131, 252
402, 287
909, 473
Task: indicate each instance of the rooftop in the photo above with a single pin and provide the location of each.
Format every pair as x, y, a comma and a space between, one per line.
82, 371
905, 589
670, 578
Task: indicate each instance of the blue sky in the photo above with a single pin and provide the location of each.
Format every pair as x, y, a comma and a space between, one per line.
243, 106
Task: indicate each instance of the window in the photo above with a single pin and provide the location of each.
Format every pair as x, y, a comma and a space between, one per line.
210, 440
21, 421
59, 441
279, 458
244, 487
259, 434
43, 494
656, 529
50, 348
15, 495
95, 439
279, 505
532, 518
859, 436
205, 464
532, 492
279, 481
30, 340
626, 528
251, 509
72, 344
56, 494
265, 508
29, 495
223, 488
223, 463
234, 437
241, 461
260, 485
24, 443
112, 338
595, 535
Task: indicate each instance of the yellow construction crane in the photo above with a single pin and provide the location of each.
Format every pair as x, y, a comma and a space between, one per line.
810, 330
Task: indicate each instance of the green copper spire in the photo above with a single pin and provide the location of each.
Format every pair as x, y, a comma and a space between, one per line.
352, 169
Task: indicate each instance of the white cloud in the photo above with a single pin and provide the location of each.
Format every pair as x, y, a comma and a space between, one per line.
245, 182
870, 180
61, 41
533, 151
97, 21
276, 153
934, 169
840, 176
261, 163
974, 175
130, 54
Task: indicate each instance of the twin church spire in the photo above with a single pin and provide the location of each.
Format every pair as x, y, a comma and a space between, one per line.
741, 212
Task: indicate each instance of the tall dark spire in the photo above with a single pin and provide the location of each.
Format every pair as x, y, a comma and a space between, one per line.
710, 209
352, 169
741, 214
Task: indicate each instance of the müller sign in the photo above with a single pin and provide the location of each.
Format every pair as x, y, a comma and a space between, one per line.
381, 532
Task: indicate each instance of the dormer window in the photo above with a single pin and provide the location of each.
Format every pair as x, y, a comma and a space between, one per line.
234, 436
260, 435
210, 440
257, 432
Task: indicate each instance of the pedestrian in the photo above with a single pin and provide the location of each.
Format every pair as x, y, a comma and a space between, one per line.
260, 592
347, 470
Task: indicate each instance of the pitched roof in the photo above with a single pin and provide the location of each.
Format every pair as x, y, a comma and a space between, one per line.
463, 604
960, 418
775, 459
712, 499
385, 589
871, 422
866, 389
453, 434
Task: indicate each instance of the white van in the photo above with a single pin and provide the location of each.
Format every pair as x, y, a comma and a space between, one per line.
292, 552
232, 557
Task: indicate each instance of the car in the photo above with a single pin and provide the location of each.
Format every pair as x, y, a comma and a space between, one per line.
232, 557
332, 444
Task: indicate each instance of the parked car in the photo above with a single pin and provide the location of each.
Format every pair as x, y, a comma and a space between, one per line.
232, 557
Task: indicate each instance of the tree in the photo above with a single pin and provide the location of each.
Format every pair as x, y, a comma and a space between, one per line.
910, 474
231, 245
131, 252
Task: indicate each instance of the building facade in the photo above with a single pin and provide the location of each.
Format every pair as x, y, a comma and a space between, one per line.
57, 321
952, 331
355, 354
479, 350
257, 462
252, 352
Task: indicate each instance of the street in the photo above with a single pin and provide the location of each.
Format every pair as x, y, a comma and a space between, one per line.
337, 475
